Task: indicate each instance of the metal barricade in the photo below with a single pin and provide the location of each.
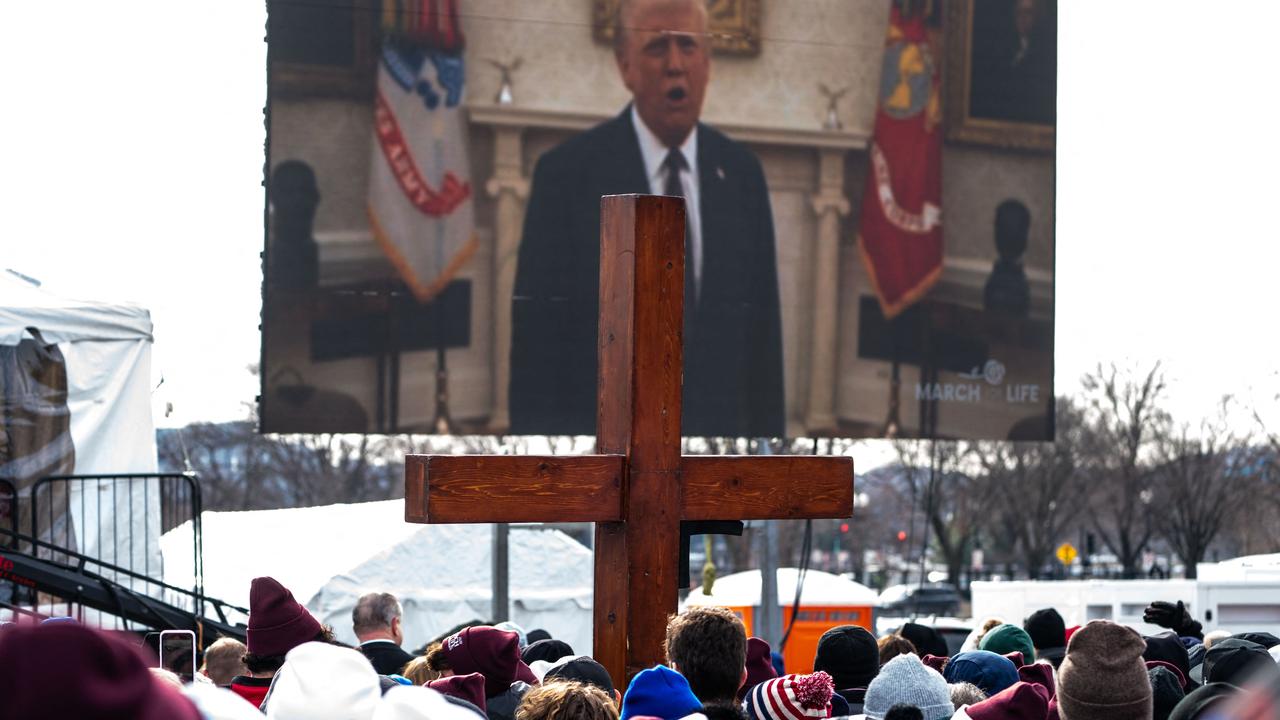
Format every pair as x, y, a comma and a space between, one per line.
111, 524
8, 512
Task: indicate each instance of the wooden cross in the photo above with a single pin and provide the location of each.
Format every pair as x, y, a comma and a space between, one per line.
638, 488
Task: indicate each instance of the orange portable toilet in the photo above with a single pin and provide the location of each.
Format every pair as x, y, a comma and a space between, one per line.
826, 601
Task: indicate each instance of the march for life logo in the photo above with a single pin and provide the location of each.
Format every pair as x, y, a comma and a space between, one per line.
992, 373
420, 204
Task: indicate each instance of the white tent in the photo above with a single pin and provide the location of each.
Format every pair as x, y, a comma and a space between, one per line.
329, 556
820, 588
106, 351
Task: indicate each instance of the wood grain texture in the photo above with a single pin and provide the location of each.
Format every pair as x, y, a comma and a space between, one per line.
514, 488
724, 487
609, 608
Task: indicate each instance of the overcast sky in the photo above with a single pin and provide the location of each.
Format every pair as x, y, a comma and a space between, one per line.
133, 153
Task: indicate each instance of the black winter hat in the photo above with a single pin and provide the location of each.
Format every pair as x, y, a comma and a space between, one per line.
1166, 691
1167, 647
1198, 701
1234, 661
848, 654
548, 650
1265, 639
926, 639
1046, 628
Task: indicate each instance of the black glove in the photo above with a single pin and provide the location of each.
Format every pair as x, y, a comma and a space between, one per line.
1174, 617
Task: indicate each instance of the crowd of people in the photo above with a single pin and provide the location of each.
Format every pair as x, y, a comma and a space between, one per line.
291, 668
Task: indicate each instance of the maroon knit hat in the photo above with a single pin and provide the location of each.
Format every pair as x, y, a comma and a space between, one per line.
1039, 673
935, 662
277, 622
1019, 701
493, 653
71, 671
464, 687
759, 665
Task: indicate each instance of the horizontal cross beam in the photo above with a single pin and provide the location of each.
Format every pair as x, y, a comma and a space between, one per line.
513, 488
588, 488
774, 487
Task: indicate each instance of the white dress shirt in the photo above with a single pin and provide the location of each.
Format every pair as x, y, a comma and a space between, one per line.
654, 154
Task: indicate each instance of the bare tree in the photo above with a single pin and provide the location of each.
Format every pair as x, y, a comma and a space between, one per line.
950, 501
1125, 415
1036, 489
1202, 478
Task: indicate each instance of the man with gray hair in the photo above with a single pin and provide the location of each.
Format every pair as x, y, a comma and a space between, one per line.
376, 622
733, 383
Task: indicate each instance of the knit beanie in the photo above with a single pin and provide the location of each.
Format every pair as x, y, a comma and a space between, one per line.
583, 669
548, 650
791, 697
493, 653
905, 680
319, 681
469, 687
1039, 673
759, 666
1166, 690
1237, 661
848, 653
59, 671
277, 622
1173, 669
989, 671
1168, 647
1020, 701
659, 692
1046, 629
1008, 638
419, 703
926, 640
1202, 699
1103, 676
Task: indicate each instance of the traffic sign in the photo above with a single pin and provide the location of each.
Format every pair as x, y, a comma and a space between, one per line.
1066, 553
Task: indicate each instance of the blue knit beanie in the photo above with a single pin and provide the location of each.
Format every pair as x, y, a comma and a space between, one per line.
659, 692
989, 671
905, 680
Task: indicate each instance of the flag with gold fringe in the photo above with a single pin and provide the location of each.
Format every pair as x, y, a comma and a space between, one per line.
420, 195
900, 228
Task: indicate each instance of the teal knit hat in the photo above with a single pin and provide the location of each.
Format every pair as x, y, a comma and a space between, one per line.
1004, 639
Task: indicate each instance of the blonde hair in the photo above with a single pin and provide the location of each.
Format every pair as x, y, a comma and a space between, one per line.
566, 700
420, 671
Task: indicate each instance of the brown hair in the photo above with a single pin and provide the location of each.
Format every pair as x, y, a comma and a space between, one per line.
987, 626
708, 645
436, 659
223, 660
566, 700
420, 671
891, 646
272, 663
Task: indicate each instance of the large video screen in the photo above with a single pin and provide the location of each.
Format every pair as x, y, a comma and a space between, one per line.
870, 211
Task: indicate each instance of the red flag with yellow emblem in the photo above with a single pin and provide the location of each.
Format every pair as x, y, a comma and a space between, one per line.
900, 233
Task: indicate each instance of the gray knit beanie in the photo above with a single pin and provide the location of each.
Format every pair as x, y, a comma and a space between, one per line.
905, 680
1103, 676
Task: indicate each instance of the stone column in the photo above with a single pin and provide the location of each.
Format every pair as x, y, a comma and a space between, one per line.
510, 189
829, 204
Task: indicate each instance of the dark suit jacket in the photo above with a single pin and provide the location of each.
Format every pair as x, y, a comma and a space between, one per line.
733, 342
387, 658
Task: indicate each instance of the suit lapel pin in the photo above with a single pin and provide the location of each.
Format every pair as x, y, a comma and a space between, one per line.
720, 172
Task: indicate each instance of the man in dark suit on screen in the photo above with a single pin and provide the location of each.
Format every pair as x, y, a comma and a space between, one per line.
733, 336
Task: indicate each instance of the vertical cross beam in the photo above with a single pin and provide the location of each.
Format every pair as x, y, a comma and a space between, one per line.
638, 416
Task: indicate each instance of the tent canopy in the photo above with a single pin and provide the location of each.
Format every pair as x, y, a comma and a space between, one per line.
60, 319
329, 556
820, 589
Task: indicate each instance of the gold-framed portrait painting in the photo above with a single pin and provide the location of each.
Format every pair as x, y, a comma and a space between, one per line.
1002, 71
734, 24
